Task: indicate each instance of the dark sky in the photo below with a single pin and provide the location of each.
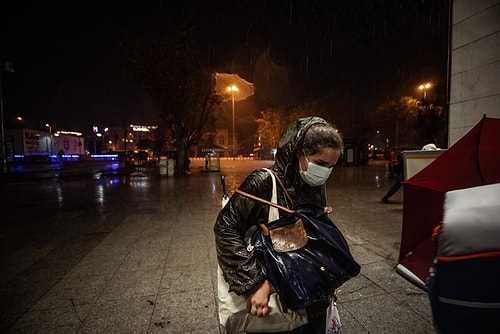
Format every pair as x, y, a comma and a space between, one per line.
355, 53
64, 58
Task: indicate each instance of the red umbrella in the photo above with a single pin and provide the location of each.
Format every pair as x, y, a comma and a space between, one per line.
472, 161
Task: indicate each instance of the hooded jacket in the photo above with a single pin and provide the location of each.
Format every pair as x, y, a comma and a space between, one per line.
239, 217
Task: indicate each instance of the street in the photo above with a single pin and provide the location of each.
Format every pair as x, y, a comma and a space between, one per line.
66, 241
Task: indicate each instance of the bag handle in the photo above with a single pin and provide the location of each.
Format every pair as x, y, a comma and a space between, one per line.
258, 199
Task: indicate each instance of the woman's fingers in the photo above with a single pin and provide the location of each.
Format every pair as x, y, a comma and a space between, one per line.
259, 298
259, 310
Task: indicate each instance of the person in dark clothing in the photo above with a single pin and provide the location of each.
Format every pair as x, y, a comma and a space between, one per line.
393, 160
60, 154
187, 162
398, 182
306, 154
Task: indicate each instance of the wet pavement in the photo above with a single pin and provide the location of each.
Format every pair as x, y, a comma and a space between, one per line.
107, 253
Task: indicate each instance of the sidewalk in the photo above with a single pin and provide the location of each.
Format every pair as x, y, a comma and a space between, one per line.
142, 260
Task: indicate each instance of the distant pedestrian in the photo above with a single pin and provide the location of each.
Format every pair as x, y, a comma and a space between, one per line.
186, 165
207, 157
398, 171
60, 154
393, 160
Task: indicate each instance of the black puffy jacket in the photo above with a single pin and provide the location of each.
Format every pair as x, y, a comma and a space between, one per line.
234, 222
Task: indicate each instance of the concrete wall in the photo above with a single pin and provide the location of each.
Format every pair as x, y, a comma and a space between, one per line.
475, 65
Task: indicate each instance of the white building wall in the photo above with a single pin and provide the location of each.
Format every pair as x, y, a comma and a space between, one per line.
475, 65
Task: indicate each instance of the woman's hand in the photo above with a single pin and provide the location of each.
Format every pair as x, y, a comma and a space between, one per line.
328, 209
258, 299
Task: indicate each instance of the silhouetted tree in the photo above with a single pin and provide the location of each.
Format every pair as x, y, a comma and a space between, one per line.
271, 125
410, 122
395, 120
431, 124
166, 64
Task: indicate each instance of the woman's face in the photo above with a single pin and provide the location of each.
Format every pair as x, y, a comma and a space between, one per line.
327, 157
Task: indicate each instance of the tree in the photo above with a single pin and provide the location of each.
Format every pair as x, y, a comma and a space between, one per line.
269, 128
431, 124
395, 121
166, 64
272, 123
409, 122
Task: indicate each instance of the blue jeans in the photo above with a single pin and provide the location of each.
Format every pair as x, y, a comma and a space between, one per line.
397, 184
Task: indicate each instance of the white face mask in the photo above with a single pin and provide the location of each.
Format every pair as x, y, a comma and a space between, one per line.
315, 175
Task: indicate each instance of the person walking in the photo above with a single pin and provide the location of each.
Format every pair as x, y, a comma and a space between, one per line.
398, 170
393, 160
187, 168
306, 154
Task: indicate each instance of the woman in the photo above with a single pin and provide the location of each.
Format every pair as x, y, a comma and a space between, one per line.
307, 152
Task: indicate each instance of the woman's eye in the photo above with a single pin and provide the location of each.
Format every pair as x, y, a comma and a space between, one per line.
324, 164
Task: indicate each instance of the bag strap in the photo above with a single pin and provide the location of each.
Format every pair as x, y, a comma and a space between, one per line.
276, 205
273, 211
272, 203
263, 227
292, 202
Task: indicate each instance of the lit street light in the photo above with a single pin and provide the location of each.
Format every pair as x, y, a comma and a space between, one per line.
50, 135
233, 89
424, 88
226, 83
104, 149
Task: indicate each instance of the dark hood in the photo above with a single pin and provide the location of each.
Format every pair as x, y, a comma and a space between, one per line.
291, 139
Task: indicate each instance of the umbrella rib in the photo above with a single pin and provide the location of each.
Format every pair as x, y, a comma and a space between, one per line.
483, 181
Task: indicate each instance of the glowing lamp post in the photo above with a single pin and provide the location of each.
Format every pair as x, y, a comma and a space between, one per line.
424, 88
232, 89
48, 126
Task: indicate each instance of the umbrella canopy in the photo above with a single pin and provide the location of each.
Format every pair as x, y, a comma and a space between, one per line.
226, 80
472, 161
213, 148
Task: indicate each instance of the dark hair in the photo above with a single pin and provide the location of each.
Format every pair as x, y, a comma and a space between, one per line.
319, 136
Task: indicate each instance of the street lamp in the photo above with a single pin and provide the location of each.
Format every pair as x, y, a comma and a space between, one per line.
104, 140
98, 135
233, 89
7, 67
50, 135
424, 88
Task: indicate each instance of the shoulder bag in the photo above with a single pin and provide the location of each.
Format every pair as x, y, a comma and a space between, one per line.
233, 314
305, 255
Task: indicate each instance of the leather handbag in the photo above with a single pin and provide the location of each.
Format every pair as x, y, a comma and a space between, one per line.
305, 255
